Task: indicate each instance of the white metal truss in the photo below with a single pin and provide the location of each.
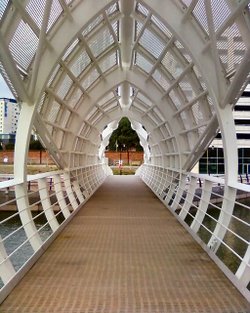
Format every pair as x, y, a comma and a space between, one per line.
175, 68
56, 59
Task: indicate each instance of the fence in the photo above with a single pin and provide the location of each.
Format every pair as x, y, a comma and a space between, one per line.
221, 228
60, 194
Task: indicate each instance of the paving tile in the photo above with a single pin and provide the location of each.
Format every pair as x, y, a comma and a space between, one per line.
124, 252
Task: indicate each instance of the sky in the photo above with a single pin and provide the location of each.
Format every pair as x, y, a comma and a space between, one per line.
4, 89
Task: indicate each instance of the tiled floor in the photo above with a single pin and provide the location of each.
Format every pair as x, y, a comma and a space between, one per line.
124, 253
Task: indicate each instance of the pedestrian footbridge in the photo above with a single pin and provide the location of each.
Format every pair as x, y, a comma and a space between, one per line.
176, 70
124, 256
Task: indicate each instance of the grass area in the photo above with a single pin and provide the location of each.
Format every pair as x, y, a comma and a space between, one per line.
32, 169
37, 168
125, 170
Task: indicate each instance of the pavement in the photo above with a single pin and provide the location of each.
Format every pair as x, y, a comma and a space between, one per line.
124, 252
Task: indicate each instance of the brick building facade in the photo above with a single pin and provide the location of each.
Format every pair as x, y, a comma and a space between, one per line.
127, 157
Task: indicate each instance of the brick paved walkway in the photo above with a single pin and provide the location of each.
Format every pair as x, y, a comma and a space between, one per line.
124, 253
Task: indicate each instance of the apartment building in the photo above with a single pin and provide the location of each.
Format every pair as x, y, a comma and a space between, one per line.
9, 114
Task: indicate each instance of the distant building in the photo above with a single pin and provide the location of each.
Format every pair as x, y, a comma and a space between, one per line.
9, 115
212, 162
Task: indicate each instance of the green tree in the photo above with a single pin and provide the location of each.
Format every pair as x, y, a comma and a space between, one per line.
9, 146
124, 137
35, 145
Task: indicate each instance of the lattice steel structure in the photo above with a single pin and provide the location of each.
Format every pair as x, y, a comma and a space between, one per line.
175, 68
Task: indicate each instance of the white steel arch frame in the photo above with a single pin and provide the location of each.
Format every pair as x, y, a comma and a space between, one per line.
174, 68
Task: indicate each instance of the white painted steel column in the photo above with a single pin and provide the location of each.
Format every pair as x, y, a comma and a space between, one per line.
179, 193
82, 183
60, 196
203, 205
189, 197
20, 172
46, 204
162, 186
160, 183
127, 31
69, 191
228, 132
78, 191
127, 26
86, 182
224, 218
229, 140
243, 272
171, 189
7, 270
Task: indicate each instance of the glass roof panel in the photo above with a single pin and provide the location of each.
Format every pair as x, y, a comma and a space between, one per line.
23, 45
70, 49
220, 11
152, 43
91, 113
75, 97
200, 13
96, 55
65, 118
92, 25
187, 88
41, 102
175, 99
139, 106
153, 117
161, 79
49, 129
171, 64
158, 114
106, 98
97, 116
161, 25
100, 42
143, 63
3, 5
90, 78
183, 51
197, 112
53, 75
80, 64
110, 106
55, 12
115, 26
144, 99
231, 48
112, 9
64, 87
187, 2
142, 9
53, 112
138, 27
108, 62
35, 8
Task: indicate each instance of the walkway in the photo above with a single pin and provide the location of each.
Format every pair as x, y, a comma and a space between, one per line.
124, 253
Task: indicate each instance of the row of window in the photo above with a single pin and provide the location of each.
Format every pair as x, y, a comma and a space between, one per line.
212, 162
238, 135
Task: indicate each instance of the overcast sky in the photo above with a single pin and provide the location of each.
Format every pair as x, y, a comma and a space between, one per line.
4, 89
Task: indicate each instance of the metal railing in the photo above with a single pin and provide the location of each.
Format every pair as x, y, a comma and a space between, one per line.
217, 215
34, 213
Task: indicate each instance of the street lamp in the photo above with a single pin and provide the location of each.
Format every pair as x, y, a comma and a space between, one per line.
120, 161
